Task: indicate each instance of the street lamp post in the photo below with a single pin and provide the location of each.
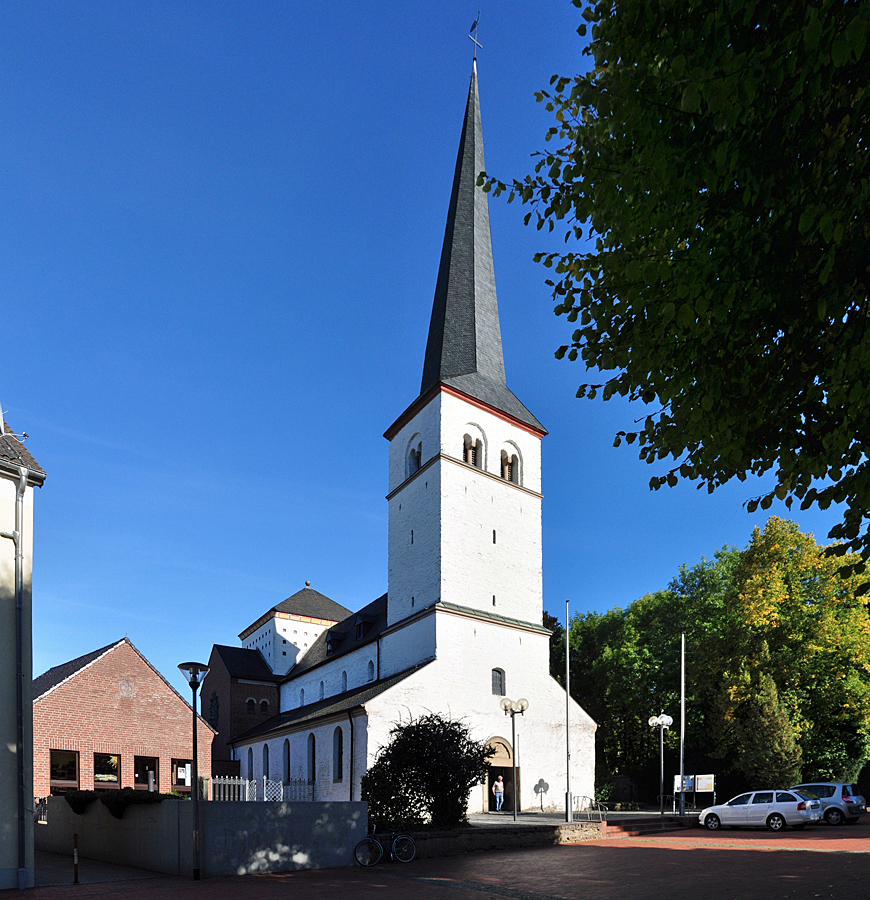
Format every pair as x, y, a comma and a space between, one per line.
511, 709
661, 722
194, 672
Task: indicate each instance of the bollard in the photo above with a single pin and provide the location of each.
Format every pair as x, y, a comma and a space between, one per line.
75, 859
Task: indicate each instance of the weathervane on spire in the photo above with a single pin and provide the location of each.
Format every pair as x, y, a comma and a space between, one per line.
473, 36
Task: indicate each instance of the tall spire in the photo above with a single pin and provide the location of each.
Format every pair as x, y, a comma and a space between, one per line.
464, 348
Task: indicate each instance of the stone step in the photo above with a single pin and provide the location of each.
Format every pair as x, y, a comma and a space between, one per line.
637, 827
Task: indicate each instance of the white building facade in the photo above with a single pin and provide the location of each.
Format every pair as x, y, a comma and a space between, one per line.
460, 627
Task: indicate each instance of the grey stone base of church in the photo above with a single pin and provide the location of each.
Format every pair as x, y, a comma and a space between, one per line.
502, 837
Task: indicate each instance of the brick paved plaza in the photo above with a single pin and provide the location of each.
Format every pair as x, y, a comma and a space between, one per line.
820, 862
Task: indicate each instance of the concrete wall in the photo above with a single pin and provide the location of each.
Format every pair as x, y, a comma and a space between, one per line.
8, 690
237, 838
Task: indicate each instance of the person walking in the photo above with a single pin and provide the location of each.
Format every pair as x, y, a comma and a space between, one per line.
498, 791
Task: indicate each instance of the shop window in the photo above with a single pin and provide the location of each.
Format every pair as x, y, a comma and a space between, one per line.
107, 770
64, 771
142, 765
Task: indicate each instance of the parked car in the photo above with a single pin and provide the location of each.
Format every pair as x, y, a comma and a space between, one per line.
775, 809
840, 802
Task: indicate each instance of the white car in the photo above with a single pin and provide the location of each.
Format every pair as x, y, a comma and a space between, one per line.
775, 809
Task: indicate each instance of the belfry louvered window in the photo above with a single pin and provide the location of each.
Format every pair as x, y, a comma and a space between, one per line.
472, 452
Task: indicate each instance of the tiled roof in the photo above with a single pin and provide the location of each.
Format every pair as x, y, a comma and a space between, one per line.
13, 451
464, 346
309, 602
329, 707
243, 663
342, 638
42, 684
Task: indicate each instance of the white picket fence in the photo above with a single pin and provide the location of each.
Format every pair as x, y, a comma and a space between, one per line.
237, 788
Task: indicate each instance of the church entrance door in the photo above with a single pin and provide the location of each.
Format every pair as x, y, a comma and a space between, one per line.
500, 764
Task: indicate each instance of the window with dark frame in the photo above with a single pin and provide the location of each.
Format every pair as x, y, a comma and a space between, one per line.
252, 706
63, 771
264, 707
498, 686
338, 755
142, 765
107, 770
181, 775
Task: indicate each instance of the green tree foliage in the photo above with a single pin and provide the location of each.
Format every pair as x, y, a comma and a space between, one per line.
423, 775
710, 172
778, 664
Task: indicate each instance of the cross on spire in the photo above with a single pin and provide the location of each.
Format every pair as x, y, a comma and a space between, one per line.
473, 36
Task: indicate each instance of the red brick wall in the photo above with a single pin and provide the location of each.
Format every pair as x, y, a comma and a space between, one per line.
88, 714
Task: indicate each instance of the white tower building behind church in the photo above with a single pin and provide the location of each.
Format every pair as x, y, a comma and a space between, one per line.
460, 627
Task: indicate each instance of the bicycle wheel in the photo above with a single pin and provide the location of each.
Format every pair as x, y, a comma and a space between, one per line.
404, 848
368, 852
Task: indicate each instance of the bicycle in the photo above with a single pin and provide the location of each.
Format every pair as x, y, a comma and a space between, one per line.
370, 851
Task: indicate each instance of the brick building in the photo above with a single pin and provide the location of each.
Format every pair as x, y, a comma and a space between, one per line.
106, 720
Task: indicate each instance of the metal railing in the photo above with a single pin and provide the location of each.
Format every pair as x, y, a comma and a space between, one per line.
589, 808
297, 790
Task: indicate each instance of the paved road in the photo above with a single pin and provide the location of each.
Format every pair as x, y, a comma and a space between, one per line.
698, 865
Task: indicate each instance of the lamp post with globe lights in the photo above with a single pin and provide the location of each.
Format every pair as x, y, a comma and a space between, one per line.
194, 673
512, 708
661, 722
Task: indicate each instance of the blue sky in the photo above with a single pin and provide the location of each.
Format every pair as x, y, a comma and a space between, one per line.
220, 237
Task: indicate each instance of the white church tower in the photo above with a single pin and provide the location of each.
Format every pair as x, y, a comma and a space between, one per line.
465, 457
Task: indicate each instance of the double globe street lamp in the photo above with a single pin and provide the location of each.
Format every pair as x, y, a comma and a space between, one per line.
513, 708
661, 722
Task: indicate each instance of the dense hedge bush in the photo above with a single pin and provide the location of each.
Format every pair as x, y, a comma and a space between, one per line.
115, 801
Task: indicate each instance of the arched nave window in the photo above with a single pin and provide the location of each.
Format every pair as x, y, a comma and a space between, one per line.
266, 760
498, 687
312, 759
338, 755
371, 671
286, 761
250, 764
344, 681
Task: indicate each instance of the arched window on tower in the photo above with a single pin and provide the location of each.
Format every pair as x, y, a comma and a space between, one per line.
472, 451
498, 687
510, 467
343, 681
415, 457
371, 672
321, 690
264, 707
252, 706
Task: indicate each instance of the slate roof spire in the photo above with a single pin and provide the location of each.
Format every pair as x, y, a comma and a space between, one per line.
464, 348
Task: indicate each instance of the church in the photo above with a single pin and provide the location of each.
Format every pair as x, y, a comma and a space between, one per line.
312, 693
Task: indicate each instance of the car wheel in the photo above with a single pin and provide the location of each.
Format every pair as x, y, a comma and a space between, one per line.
775, 822
711, 822
834, 816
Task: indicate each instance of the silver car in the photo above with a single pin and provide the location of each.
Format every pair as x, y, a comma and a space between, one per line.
775, 809
840, 802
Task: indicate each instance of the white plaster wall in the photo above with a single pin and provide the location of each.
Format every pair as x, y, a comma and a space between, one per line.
408, 646
355, 663
283, 642
498, 434
414, 567
459, 684
8, 702
326, 788
473, 568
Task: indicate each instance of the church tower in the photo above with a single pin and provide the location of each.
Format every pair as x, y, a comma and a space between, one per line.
465, 457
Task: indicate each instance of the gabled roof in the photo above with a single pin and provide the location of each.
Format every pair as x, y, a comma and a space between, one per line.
340, 703
14, 453
464, 347
243, 663
309, 602
342, 638
42, 684
54, 677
